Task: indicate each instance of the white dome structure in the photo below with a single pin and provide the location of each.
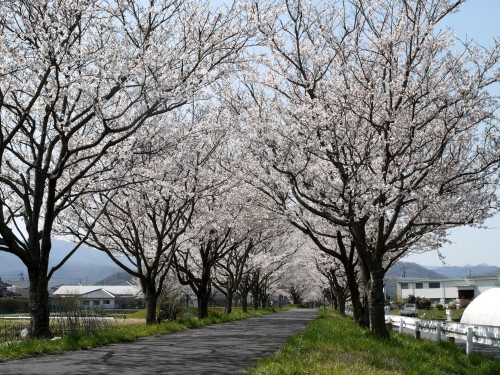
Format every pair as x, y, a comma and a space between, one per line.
484, 309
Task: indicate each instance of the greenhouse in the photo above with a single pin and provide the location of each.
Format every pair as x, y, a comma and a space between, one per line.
484, 309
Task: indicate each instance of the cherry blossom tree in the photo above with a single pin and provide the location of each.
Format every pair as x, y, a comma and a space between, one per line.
215, 229
223, 233
236, 272
76, 79
138, 222
229, 272
374, 121
337, 284
337, 244
267, 265
298, 277
195, 265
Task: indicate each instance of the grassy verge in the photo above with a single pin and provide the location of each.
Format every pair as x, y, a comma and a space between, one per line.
119, 333
336, 345
434, 314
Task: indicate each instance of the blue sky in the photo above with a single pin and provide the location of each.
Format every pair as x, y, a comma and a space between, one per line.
479, 20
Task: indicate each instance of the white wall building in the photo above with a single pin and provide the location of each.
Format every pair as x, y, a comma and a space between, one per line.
446, 290
101, 296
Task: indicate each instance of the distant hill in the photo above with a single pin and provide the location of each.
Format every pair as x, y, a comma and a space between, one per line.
409, 269
86, 266
468, 270
116, 279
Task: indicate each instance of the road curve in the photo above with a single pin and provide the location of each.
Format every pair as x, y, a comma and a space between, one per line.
226, 348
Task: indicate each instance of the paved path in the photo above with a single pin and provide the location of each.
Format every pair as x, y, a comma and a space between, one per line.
226, 348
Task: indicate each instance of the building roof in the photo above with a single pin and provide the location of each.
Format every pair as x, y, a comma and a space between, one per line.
25, 284
484, 309
115, 290
100, 293
19, 292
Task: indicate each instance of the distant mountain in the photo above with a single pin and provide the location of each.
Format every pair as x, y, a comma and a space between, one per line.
432, 268
86, 266
468, 270
116, 278
407, 269
11, 268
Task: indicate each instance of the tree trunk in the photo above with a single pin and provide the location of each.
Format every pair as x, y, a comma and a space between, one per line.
357, 306
341, 300
151, 303
229, 303
244, 301
39, 304
150, 292
264, 299
366, 311
335, 302
255, 299
297, 299
203, 301
376, 301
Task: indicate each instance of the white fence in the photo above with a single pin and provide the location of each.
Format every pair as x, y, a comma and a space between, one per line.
469, 333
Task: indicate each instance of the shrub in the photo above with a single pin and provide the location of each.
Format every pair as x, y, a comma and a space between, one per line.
170, 307
71, 317
411, 299
464, 303
9, 306
439, 306
423, 303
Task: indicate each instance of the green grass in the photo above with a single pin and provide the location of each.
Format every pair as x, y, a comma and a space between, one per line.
119, 333
336, 345
23, 314
434, 314
141, 314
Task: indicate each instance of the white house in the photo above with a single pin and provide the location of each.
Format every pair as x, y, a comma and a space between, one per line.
446, 290
101, 296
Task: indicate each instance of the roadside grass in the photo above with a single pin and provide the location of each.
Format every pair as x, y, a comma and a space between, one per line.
335, 345
118, 333
193, 311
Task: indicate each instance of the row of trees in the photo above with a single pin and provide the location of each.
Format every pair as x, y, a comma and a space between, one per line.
376, 133
182, 138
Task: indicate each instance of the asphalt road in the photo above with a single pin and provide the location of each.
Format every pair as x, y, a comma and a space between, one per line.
226, 348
